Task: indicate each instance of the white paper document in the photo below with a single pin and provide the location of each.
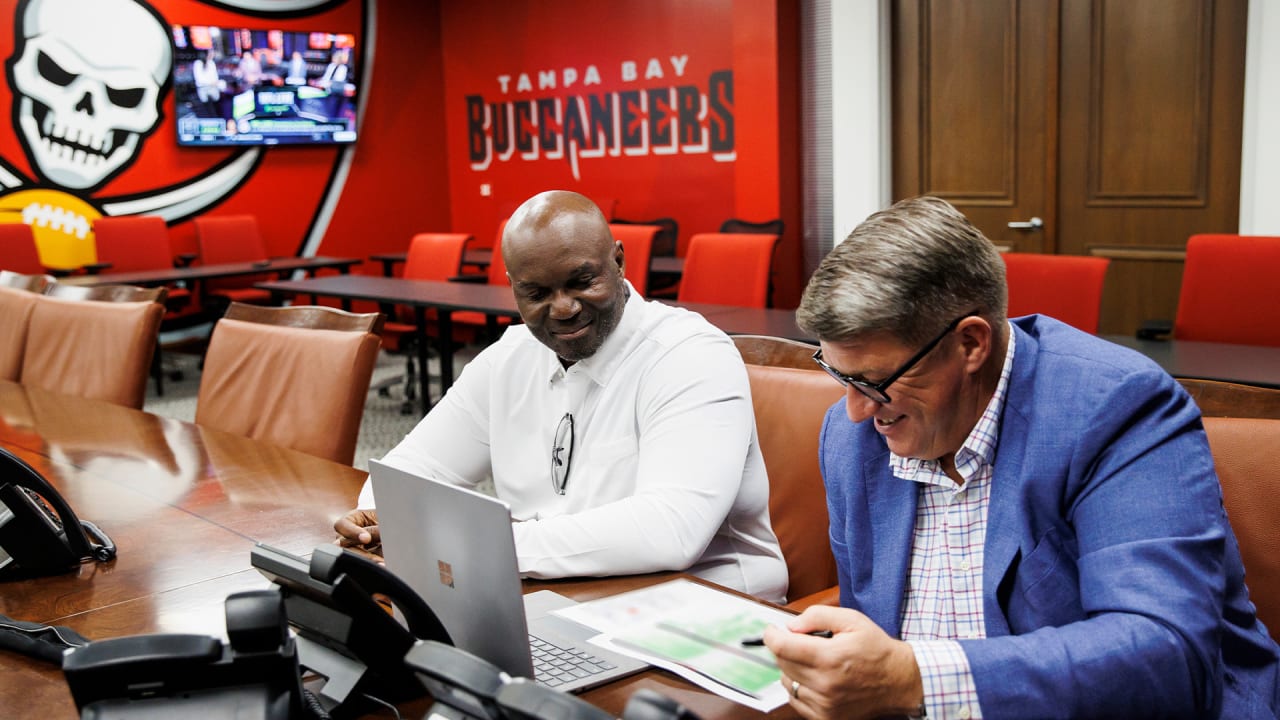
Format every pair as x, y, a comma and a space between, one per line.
694, 631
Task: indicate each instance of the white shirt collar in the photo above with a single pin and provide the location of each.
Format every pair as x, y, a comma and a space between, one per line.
604, 362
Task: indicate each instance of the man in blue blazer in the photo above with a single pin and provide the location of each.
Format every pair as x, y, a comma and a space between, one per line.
1025, 518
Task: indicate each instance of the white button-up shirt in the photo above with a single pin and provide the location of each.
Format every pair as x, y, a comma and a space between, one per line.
666, 473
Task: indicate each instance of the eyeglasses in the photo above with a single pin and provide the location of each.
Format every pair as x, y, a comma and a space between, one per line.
876, 391
562, 454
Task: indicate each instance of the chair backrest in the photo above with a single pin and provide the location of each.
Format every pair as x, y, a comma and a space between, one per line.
106, 293
18, 251
497, 270
637, 249
435, 256
1224, 399
133, 242
1246, 455
664, 244
95, 342
229, 239
1228, 290
310, 366
16, 306
728, 269
789, 406
767, 227
1065, 287
30, 283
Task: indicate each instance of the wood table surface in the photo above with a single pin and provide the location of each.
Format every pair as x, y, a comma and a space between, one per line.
185, 505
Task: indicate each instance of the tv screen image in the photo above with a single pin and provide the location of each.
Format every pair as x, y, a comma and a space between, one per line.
238, 86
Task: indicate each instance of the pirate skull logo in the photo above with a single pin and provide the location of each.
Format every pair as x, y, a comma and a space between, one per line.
88, 79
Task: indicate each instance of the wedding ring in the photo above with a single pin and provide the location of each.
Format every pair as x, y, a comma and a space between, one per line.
795, 689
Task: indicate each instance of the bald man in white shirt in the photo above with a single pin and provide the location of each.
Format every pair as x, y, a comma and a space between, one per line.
620, 431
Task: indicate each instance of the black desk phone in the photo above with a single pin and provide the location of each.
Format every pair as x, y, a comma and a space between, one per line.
254, 676
344, 633
36, 539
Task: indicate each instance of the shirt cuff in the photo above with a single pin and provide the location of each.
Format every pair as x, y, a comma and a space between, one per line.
949, 690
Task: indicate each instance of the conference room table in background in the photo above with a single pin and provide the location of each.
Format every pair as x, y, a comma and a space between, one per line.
481, 257
493, 301
193, 273
185, 505
1224, 362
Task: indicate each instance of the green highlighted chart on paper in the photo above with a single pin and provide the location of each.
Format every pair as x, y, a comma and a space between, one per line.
713, 648
696, 631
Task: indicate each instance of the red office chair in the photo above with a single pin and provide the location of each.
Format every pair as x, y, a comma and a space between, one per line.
1065, 287
663, 285
637, 249
18, 251
232, 239
468, 325
432, 256
129, 243
664, 244
1228, 290
728, 269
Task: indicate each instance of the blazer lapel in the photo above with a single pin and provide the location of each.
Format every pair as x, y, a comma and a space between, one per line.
1005, 523
892, 506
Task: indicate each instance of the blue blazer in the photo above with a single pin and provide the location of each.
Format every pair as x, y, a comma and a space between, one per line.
1112, 583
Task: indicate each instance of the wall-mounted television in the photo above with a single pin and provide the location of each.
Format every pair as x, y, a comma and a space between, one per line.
237, 86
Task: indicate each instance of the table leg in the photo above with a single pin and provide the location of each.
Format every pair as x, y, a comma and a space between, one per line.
444, 318
420, 322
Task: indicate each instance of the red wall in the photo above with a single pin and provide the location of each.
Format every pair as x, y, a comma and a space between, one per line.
568, 53
412, 168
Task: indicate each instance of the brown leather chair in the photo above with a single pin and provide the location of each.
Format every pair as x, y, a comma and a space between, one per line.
1246, 454
1224, 399
30, 283
296, 377
790, 395
95, 342
18, 297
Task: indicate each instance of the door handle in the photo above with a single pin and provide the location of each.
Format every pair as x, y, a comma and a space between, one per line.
1034, 223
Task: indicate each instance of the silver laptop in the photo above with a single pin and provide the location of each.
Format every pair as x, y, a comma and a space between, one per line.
455, 548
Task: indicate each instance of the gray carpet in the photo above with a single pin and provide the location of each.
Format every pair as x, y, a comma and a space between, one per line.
381, 428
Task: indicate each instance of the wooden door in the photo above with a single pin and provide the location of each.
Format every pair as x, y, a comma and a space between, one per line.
974, 103
1123, 138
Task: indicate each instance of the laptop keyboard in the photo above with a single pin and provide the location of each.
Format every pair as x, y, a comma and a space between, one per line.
554, 666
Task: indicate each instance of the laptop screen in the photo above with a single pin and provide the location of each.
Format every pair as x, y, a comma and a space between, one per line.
455, 548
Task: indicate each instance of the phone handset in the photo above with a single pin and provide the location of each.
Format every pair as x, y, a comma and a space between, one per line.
330, 561
36, 539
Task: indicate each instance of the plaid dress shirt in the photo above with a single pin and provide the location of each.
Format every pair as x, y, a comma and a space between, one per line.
943, 599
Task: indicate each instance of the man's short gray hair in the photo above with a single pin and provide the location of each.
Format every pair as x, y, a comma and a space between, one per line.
908, 270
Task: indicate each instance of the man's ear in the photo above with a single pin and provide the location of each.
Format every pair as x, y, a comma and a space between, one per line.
619, 257
977, 338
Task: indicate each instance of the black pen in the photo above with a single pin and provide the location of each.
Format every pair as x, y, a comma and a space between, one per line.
757, 641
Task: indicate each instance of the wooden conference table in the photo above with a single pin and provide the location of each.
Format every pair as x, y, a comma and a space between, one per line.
185, 505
